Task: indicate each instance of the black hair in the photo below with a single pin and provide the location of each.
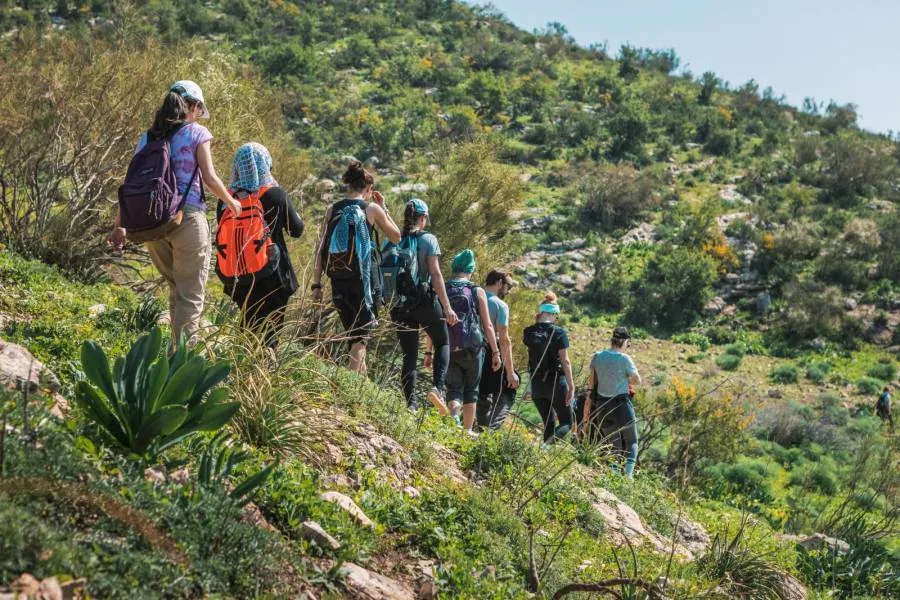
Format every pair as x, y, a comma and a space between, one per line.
171, 115
496, 276
410, 216
356, 177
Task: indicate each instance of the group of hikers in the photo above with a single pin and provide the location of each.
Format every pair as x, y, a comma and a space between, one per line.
162, 204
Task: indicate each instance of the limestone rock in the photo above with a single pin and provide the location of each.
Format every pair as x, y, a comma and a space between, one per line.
817, 541
729, 193
691, 534
622, 522
645, 233
325, 185
714, 306
363, 584
155, 475
350, 507
96, 310
790, 588
310, 530
411, 492
20, 370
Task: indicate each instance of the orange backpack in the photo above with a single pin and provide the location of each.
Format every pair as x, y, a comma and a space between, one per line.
244, 248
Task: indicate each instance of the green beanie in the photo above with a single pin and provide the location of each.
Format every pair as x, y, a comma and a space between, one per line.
464, 262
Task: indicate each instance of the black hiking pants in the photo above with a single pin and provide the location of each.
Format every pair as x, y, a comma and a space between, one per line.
262, 305
430, 316
550, 399
495, 398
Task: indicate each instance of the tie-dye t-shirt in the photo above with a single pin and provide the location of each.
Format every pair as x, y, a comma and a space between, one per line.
184, 159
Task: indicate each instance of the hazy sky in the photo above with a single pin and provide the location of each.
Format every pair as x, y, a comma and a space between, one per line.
848, 51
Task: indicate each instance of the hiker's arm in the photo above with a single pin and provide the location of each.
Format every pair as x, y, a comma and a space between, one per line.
211, 179
512, 380
486, 326
437, 283
116, 237
382, 218
294, 223
317, 270
567, 369
634, 378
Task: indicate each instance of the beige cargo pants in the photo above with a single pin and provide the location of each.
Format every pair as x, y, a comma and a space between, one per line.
182, 258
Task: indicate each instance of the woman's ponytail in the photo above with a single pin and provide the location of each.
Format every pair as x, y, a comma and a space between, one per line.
409, 218
173, 112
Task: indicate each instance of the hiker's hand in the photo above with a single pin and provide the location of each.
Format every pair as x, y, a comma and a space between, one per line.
116, 238
234, 206
512, 381
495, 361
428, 361
452, 319
317, 294
378, 198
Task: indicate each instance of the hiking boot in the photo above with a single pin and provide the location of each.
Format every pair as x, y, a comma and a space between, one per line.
437, 400
413, 407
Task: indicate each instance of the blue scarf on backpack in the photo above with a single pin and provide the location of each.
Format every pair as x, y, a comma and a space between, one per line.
340, 239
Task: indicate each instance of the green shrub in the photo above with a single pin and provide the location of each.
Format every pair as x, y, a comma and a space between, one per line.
218, 460
695, 358
821, 478
150, 401
883, 371
748, 478
786, 373
815, 374
868, 385
721, 335
738, 349
693, 338
728, 362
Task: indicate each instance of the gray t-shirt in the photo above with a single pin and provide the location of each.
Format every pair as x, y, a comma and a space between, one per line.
427, 246
611, 370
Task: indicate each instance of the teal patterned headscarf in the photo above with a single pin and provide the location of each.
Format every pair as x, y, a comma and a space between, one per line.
251, 169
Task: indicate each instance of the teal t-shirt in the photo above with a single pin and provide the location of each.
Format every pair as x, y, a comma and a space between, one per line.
612, 370
427, 246
498, 310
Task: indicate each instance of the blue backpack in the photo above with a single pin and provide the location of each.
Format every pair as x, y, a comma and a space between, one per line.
402, 286
467, 331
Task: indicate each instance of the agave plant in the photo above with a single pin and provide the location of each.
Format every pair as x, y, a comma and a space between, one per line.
218, 460
150, 401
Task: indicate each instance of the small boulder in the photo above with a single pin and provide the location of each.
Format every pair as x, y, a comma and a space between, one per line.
645, 233
817, 541
691, 534
789, 587
96, 310
19, 369
411, 492
312, 531
714, 306
368, 585
850, 303
350, 507
776, 394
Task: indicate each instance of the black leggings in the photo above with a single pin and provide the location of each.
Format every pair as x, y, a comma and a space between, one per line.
550, 400
262, 307
430, 316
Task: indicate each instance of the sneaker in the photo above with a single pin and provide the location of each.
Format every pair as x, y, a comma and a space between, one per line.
458, 420
413, 407
437, 400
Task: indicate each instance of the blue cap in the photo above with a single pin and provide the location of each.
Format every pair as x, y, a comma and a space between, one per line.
420, 206
551, 309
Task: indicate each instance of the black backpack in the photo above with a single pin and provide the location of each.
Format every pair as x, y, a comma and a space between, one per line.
543, 357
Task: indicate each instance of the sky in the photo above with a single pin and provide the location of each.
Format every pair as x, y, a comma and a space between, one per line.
847, 51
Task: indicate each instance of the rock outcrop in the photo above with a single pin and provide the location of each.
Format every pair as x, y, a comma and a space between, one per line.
19, 369
363, 584
624, 525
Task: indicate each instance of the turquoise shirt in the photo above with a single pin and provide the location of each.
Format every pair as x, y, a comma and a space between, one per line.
611, 371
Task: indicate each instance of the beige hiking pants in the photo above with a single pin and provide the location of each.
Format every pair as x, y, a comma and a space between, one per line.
182, 258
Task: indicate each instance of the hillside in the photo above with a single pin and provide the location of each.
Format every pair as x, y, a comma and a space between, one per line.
751, 246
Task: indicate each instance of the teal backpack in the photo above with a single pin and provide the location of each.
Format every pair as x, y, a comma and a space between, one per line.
400, 273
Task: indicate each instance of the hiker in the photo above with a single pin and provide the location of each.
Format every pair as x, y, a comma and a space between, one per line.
346, 253
551, 382
497, 390
251, 254
468, 337
162, 204
415, 288
609, 408
883, 408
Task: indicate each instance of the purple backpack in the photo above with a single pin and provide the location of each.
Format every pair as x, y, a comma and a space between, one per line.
150, 206
467, 331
